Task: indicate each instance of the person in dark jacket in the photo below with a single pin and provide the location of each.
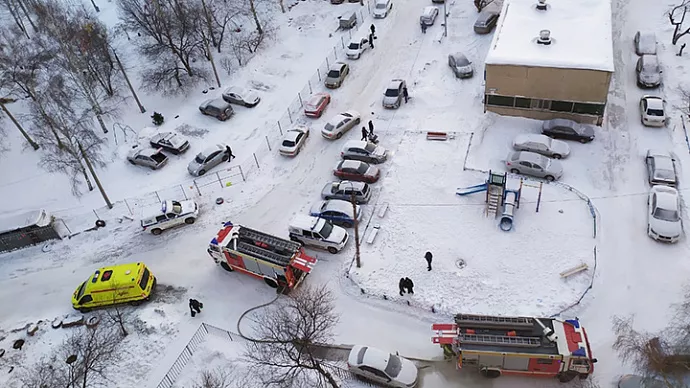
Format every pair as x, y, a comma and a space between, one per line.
405, 95
373, 29
229, 152
365, 133
371, 128
371, 40
428, 256
401, 286
409, 285
195, 306
423, 28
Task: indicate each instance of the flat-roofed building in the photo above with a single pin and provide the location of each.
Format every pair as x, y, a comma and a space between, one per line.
551, 59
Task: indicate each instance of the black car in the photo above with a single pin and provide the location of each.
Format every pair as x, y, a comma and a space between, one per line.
568, 130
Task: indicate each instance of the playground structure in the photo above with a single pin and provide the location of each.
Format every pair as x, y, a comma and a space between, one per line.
498, 196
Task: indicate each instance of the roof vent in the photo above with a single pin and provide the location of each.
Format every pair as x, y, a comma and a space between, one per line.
541, 5
544, 37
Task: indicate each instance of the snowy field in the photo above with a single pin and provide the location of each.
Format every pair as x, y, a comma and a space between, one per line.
505, 273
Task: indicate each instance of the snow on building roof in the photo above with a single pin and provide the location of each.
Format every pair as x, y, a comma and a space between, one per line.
580, 31
23, 220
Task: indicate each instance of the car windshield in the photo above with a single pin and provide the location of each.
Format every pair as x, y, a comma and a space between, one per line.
391, 92
394, 366
288, 143
81, 291
334, 74
655, 112
362, 168
200, 159
326, 230
666, 175
353, 46
144, 279
370, 147
666, 214
461, 61
381, 6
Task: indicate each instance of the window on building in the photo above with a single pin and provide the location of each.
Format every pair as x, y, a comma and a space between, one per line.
589, 109
561, 106
521, 102
540, 104
492, 99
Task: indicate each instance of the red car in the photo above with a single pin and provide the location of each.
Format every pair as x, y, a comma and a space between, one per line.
354, 170
317, 104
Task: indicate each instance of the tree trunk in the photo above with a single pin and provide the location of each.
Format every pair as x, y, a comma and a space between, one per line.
26, 13
86, 177
208, 23
129, 84
256, 18
28, 138
333, 383
16, 17
282, 6
98, 183
32, 94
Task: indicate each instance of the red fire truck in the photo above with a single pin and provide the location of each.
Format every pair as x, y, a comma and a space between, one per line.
517, 346
281, 263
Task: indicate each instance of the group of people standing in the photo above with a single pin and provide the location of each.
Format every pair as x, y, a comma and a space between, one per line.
406, 284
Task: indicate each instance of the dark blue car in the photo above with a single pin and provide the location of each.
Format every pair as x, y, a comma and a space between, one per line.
337, 211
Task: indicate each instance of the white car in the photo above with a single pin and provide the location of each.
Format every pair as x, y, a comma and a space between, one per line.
541, 144
382, 8
356, 47
318, 232
652, 112
241, 96
340, 123
381, 367
294, 140
663, 214
661, 168
168, 214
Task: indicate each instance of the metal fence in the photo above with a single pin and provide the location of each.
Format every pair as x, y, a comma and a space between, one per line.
178, 366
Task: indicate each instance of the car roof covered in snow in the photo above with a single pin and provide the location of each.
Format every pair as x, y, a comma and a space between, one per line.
662, 160
580, 30
209, 150
336, 66
355, 144
666, 197
531, 137
395, 84
654, 102
236, 89
302, 221
23, 220
373, 357
527, 156
144, 151
350, 164
339, 205
347, 184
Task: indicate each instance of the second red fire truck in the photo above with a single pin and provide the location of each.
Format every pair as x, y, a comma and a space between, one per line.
517, 346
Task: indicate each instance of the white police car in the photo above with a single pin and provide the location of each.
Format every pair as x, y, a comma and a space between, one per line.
169, 214
318, 232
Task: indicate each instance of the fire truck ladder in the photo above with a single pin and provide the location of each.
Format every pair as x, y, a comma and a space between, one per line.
493, 322
272, 257
503, 340
272, 241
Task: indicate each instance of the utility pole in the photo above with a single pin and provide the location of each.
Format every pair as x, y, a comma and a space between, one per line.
95, 177
208, 49
445, 19
122, 69
356, 216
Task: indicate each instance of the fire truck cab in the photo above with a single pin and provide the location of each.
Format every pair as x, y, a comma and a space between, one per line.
281, 263
517, 345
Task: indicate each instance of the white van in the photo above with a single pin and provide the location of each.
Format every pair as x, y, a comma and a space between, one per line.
168, 214
382, 8
318, 232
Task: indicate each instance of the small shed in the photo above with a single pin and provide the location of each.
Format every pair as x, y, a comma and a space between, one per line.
25, 229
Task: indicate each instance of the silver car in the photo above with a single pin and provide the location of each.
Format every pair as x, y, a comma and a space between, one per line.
364, 151
345, 189
648, 71
217, 108
393, 96
460, 65
661, 168
241, 96
147, 157
428, 16
336, 127
530, 163
336, 75
207, 159
541, 144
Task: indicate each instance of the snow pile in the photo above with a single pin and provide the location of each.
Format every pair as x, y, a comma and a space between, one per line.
476, 267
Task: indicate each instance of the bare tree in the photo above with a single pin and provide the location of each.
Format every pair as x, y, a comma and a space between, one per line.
481, 4
95, 350
285, 354
13, 9
676, 17
225, 377
221, 13
118, 315
46, 373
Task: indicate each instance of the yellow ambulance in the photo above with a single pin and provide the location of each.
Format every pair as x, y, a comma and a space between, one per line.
124, 283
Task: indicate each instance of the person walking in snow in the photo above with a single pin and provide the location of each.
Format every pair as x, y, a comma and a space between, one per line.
229, 152
405, 95
423, 28
195, 307
365, 134
401, 286
409, 285
428, 256
371, 128
373, 30
371, 40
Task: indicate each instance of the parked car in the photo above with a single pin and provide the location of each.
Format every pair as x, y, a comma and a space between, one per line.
663, 215
336, 211
461, 66
356, 47
645, 43
207, 159
530, 163
354, 170
294, 140
382, 8
168, 214
123, 283
336, 75
661, 168
381, 367
568, 130
347, 20
364, 151
317, 104
652, 112
241, 96
340, 123
169, 141
217, 108
648, 71
337, 1
345, 189
634, 381
541, 144
393, 96
317, 232
486, 21
428, 16
148, 157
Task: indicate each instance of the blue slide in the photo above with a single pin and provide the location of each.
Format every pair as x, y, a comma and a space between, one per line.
471, 189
